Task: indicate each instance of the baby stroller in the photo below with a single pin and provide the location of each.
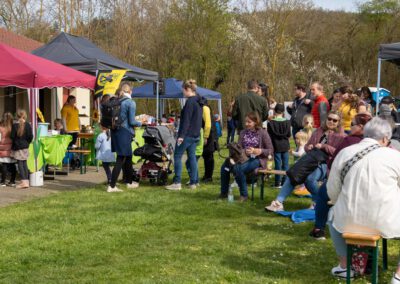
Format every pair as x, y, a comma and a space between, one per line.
158, 148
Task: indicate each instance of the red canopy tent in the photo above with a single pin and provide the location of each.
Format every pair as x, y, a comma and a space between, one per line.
27, 71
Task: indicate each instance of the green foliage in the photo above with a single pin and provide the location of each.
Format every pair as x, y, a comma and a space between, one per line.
196, 39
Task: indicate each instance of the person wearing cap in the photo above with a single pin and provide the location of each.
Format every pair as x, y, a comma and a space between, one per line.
279, 131
389, 101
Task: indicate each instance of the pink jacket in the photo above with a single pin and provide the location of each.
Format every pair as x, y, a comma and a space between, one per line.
5, 143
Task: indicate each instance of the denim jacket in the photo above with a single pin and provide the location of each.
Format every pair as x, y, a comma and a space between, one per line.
127, 115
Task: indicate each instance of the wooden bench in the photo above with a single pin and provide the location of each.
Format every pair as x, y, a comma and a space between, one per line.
82, 157
364, 243
263, 173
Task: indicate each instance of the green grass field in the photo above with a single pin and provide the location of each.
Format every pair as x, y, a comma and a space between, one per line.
150, 235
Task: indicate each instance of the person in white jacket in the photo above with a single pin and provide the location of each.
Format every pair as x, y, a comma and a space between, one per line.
367, 200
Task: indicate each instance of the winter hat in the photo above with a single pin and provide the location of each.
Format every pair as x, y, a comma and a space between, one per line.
385, 110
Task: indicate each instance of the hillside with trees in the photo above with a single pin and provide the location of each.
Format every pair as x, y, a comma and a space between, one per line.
223, 43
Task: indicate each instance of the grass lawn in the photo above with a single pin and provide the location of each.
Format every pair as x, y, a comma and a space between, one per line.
150, 235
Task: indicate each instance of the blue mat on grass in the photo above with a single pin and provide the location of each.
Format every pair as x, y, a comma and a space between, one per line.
299, 216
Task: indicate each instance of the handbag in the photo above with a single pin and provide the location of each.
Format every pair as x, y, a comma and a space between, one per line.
304, 166
237, 153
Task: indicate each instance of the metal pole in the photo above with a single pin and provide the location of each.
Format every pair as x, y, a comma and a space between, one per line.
157, 100
378, 85
220, 112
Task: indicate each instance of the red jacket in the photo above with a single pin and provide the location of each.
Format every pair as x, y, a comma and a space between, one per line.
5, 143
315, 110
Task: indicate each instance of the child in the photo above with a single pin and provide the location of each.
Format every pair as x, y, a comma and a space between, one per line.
22, 136
104, 154
58, 125
7, 162
301, 139
218, 127
279, 131
308, 125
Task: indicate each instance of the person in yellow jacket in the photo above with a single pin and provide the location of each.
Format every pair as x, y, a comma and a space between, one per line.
350, 106
70, 117
210, 143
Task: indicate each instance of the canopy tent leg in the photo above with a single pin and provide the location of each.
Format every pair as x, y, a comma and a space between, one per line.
157, 101
378, 85
33, 95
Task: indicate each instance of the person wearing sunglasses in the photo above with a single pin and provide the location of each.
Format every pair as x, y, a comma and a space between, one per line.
326, 138
366, 197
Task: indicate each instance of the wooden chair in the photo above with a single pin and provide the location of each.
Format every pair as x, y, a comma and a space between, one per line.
365, 243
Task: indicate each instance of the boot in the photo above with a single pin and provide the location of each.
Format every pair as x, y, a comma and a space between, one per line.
23, 185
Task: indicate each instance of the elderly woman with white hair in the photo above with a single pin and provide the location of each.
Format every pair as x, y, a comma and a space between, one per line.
364, 187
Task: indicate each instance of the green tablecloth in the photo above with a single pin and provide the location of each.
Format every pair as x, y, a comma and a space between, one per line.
52, 151
139, 141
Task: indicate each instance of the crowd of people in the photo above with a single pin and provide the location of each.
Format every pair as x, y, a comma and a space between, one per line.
348, 160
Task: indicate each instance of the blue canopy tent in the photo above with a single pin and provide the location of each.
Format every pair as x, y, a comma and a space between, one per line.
173, 90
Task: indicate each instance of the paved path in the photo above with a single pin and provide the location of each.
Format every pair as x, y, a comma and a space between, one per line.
73, 181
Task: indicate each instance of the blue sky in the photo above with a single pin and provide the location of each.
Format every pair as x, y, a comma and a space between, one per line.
347, 5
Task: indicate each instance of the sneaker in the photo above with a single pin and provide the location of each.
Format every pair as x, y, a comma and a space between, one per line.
317, 234
312, 206
3, 184
193, 186
174, 186
341, 272
113, 189
132, 185
223, 196
278, 186
243, 198
11, 184
395, 279
275, 206
206, 180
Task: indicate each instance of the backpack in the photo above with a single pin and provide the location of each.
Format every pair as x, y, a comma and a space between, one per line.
111, 112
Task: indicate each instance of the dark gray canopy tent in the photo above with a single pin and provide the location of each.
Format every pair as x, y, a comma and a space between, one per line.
387, 52
83, 55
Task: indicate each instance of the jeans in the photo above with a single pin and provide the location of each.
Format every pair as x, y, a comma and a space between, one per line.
311, 184
231, 131
338, 241
189, 145
239, 171
187, 163
5, 168
322, 207
124, 162
281, 163
23, 169
106, 167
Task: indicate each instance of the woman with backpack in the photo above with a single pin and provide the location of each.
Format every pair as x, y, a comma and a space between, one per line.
121, 139
257, 146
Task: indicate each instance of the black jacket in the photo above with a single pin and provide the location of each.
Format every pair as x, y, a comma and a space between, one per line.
298, 111
191, 118
22, 142
279, 131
